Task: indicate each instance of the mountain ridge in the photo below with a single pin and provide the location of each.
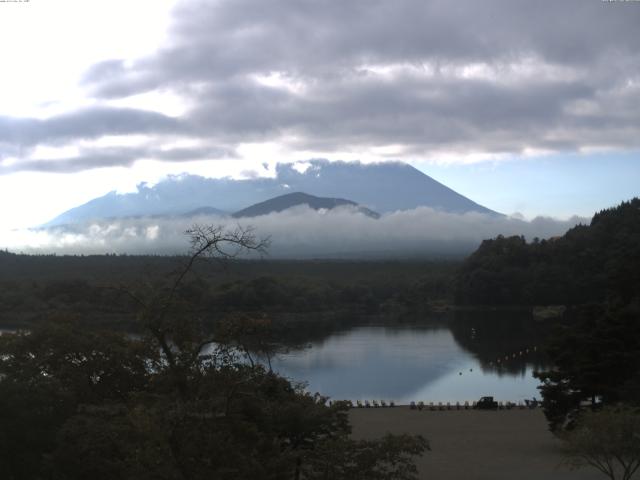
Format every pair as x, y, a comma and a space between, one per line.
383, 187
290, 200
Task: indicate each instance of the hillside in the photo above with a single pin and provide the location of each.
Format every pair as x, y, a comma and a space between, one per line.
290, 200
590, 263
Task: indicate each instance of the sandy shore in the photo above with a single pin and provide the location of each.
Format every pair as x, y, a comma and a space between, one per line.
475, 445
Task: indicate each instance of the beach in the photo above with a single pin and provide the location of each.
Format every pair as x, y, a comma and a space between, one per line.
475, 444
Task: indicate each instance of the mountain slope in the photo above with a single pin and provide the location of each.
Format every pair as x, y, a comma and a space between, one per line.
284, 202
384, 187
204, 211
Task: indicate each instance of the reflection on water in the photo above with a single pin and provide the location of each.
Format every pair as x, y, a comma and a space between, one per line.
471, 354
504, 342
456, 362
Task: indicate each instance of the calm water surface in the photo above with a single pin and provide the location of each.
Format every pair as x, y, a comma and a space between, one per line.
455, 361
406, 364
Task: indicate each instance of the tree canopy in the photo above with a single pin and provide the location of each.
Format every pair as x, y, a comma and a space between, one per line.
596, 356
608, 440
175, 402
595, 263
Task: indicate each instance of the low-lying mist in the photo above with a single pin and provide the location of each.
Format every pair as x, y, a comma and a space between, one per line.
299, 232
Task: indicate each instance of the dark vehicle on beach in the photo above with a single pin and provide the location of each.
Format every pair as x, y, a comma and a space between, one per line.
486, 403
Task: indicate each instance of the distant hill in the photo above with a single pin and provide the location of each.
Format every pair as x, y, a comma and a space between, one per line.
383, 187
284, 202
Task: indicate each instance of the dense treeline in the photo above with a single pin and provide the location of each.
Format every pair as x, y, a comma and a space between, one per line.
590, 263
596, 355
119, 268
31, 287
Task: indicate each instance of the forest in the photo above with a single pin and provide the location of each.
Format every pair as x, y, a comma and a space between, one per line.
323, 291
590, 263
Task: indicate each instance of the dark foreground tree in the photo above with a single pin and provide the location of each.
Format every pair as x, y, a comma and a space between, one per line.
608, 440
177, 403
596, 357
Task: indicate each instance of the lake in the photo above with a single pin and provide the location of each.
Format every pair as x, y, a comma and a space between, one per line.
460, 360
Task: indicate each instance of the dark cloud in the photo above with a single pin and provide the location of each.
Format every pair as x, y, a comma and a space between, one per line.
544, 75
88, 123
429, 75
116, 157
229, 38
422, 115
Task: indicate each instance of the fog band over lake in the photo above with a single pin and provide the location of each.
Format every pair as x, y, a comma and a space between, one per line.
298, 232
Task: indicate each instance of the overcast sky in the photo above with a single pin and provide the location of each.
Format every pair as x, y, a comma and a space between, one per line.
529, 106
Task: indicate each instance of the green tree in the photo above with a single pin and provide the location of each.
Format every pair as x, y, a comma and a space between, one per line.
608, 440
596, 358
48, 373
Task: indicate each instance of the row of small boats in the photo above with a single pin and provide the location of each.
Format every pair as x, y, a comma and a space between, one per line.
440, 406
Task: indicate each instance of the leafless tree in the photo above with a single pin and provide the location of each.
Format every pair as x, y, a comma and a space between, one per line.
178, 341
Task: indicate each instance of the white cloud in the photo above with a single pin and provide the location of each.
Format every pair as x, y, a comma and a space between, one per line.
299, 232
46, 46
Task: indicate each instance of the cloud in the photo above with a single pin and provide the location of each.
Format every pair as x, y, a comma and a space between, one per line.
19, 138
115, 157
298, 233
428, 78
87, 123
491, 76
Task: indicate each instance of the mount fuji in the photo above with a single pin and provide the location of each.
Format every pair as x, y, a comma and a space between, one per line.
381, 187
